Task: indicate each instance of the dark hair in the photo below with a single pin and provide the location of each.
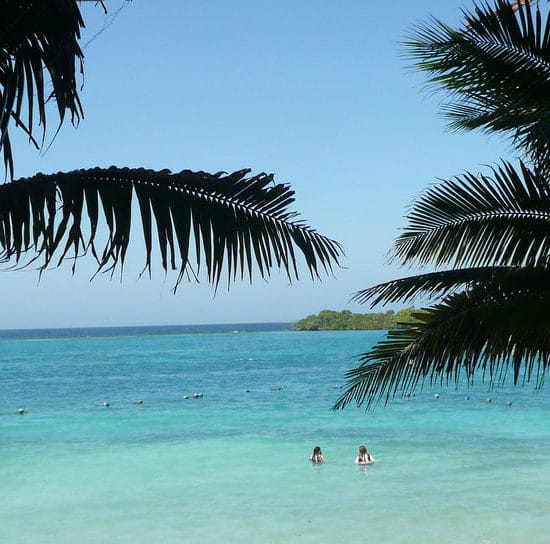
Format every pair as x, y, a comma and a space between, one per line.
317, 450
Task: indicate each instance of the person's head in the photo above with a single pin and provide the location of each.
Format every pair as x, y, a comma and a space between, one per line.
317, 450
363, 449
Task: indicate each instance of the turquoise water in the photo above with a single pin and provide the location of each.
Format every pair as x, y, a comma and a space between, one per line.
232, 466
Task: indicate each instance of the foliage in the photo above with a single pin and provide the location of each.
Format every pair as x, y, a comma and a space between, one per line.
330, 320
38, 43
234, 222
487, 235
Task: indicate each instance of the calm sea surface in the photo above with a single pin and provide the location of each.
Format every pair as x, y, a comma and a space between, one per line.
232, 465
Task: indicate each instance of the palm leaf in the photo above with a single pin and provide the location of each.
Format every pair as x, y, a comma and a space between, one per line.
38, 44
436, 284
234, 222
497, 69
487, 329
473, 221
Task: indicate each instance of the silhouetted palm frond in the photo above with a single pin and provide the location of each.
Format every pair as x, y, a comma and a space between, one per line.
490, 328
491, 233
229, 222
503, 219
38, 47
497, 69
438, 284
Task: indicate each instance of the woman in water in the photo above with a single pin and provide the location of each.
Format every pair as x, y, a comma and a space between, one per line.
317, 455
364, 457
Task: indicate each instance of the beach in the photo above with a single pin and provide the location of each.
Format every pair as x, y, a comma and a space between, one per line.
232, 465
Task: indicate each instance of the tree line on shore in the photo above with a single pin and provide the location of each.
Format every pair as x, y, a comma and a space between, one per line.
331, 320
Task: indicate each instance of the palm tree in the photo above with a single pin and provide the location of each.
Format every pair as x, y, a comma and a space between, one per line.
487, 235
236, 222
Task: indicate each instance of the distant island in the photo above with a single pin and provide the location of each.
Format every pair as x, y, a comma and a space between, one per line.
330, 320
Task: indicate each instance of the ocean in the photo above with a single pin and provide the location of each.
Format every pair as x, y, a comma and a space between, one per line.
232, 465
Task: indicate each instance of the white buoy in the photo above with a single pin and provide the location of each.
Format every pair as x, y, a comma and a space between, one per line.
436, 396
21, 411
185, 397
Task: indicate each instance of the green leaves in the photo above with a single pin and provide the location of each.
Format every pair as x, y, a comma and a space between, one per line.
234, 223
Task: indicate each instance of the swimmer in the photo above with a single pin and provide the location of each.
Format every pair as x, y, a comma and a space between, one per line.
247, 390
509, 404
317, 455
364, 457
104, 404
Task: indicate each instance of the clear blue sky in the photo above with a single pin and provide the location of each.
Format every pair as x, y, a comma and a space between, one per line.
316, 92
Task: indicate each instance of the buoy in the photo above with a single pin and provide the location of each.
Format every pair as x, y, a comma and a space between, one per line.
185, 397
197, 395
436, 396
20, 411
105, 404
139, 401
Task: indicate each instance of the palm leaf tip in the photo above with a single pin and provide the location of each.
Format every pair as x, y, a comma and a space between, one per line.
235, 223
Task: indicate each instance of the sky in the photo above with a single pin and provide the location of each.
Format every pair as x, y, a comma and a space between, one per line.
318, 93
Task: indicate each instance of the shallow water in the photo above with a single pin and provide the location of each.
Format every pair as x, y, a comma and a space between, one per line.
232, 466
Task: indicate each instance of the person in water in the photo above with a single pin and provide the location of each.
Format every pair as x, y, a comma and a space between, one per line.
317, 455
364, 457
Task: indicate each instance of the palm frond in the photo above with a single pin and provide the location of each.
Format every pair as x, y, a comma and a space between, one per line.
38, 45
488, 329
482, 220
435, 284
497, 69
234, 222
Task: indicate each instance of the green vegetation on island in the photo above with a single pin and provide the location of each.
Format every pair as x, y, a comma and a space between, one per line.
330, 320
